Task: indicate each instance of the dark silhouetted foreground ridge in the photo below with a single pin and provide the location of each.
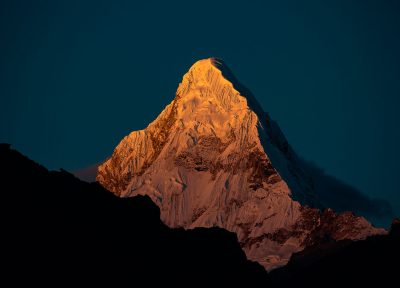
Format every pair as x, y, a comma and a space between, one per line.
57, 230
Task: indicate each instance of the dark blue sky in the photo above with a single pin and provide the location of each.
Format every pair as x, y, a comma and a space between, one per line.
77, 76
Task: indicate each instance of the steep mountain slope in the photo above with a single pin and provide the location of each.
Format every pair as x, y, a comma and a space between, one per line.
213, 157
58, 229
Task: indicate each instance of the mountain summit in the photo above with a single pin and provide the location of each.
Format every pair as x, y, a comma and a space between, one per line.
213, 157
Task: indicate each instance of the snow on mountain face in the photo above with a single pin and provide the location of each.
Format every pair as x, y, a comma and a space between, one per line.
214, 158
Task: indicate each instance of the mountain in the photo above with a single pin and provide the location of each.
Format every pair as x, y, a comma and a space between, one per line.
213, 157
58, 229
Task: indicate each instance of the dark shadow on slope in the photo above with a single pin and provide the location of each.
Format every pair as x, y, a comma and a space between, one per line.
300, 184
340, 196
272, 128
321, 189
57, 229
243, 90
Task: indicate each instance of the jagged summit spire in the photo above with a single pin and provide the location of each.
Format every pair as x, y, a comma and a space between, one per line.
211, 61
201, 73
202, 69
205, 80
213, 77
214, 158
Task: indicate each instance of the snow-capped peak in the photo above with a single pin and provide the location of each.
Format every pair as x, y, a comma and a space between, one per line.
206, 80
214, 158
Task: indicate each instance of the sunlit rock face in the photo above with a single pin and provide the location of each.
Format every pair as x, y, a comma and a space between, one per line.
213, 157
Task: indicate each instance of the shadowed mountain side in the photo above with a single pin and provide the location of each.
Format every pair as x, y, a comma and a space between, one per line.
330, 191
341, 196
58, 229
243, 90
344, 263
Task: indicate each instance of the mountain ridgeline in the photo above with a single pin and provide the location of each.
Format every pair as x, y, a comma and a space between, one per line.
213, 157
57, 229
